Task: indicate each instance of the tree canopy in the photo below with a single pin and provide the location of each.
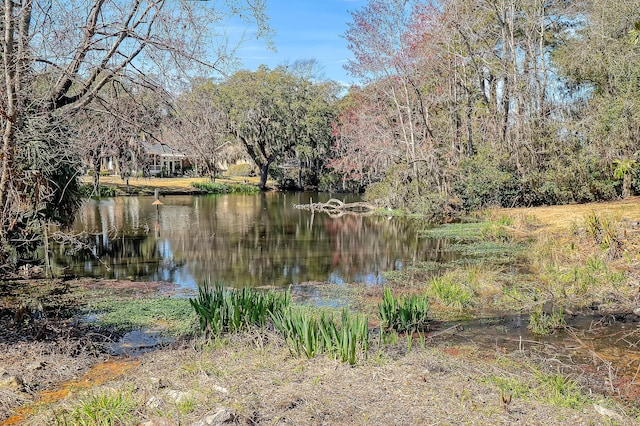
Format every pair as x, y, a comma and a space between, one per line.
474, 103
59, 59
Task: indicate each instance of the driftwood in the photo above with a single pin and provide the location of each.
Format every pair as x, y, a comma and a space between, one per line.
337, 208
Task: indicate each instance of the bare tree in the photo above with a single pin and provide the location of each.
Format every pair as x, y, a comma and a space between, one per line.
59, 56
199, 129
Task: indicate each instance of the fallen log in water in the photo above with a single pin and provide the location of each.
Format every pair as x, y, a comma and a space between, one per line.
335, 207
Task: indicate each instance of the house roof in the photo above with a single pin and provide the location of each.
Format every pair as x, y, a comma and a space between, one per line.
162, 149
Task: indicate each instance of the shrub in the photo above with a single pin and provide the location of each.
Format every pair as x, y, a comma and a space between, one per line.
221, 188
86, 191
245, 170
484, 182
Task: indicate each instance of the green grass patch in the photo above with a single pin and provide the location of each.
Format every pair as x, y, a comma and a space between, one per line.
516, 387
107, 408
555, 389
559, 390
173, 314
223, 188
486, 248
450, 293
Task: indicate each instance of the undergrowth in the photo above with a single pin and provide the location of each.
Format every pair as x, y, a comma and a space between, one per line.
222, 188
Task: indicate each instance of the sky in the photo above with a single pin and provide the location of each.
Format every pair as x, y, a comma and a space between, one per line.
305, 29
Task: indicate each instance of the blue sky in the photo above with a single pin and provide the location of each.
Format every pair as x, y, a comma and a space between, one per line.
305, 29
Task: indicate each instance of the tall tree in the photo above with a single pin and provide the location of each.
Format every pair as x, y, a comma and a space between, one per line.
199, 129
58, 57
600, 60
271, 112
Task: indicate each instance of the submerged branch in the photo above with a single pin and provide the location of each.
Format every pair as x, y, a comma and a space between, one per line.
337, 208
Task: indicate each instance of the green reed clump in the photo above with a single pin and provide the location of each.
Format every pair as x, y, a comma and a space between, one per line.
220, 310
307, 335
300, 330
221, 188
451, 293
346, 341
543, 324
404, 313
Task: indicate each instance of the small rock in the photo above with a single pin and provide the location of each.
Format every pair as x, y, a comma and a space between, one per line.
220, 417
11, 382
154, 402
637, 311
605, 412
159, 422
38, 365
177, 396
220, 389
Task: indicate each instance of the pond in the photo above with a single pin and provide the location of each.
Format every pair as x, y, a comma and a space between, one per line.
240, 240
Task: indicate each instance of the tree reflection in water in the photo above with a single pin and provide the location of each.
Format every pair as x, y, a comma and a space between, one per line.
241, 240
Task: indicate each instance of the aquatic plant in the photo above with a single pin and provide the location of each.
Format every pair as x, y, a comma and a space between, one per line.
221, 310
307, 335
543, 324
174, 313
404, 313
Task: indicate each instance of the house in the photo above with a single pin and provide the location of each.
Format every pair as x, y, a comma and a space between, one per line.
147, 159
161, 159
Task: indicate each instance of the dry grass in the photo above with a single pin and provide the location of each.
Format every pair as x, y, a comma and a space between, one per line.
563, 218
167, 185
260, 383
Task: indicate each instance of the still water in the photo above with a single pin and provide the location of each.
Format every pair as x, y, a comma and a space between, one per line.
241, 240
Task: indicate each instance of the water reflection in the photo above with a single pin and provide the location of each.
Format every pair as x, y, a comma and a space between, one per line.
242, 240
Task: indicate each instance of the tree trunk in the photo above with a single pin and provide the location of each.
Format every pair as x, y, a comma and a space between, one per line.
626, 185
264, 173
96, 176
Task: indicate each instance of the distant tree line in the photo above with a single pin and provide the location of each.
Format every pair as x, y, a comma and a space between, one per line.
474, 103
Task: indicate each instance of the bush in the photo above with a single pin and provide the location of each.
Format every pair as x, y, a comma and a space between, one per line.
86, 191
485, 183
221, 188
401, 190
